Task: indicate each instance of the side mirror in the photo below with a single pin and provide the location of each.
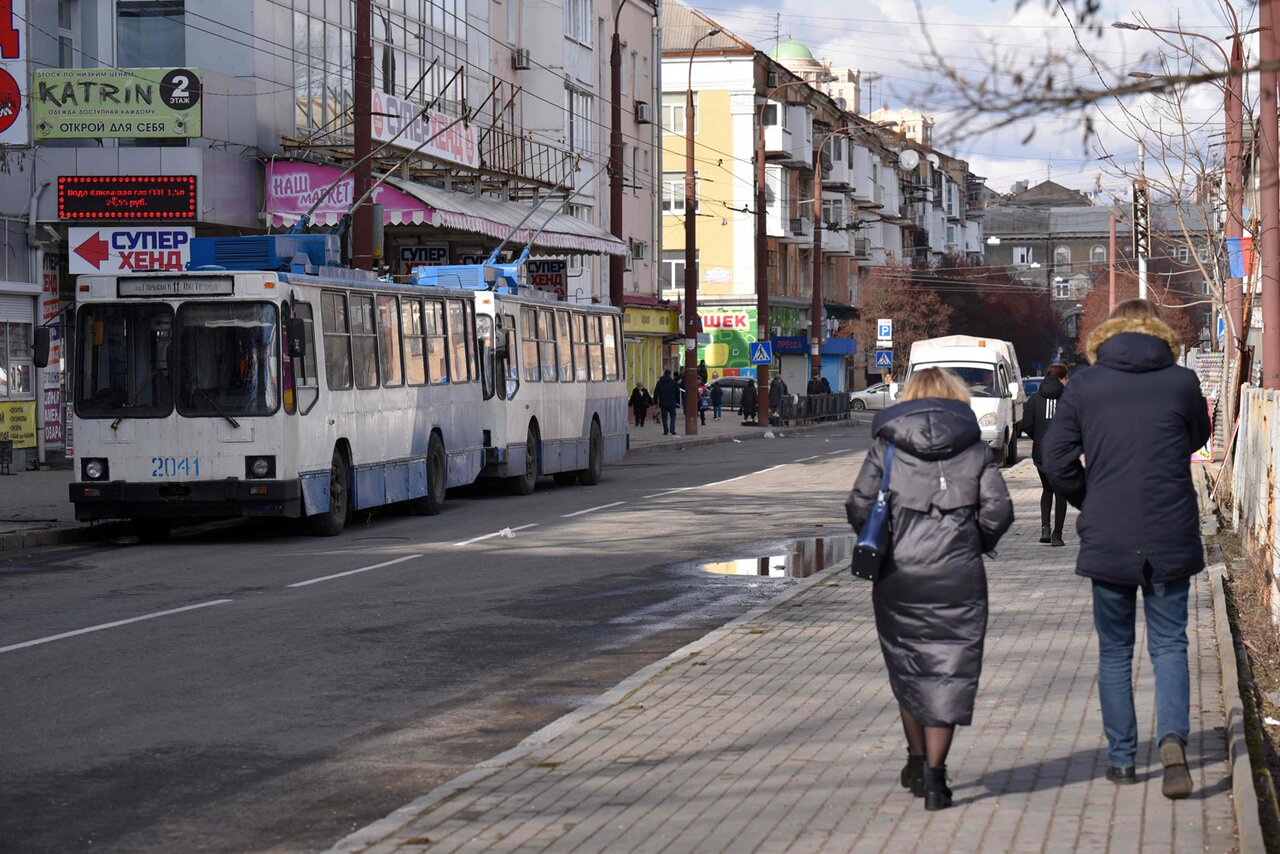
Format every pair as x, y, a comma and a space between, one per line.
297, 334
893, 391
1014, 388
41, 347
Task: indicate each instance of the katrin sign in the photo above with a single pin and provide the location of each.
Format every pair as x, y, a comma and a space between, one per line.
456, 145
129, 250
13, 73
116, 103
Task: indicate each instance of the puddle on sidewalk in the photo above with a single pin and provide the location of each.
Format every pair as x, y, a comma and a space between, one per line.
793, 559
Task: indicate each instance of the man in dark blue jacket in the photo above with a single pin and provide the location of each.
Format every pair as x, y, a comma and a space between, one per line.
1137, 417
666, 393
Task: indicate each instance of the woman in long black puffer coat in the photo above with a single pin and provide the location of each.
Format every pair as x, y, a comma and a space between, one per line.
949, 505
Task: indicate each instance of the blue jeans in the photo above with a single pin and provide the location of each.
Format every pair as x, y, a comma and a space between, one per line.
715, 407
1114, 611
668, 418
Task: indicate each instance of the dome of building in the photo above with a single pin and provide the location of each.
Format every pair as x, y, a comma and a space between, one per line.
790, 49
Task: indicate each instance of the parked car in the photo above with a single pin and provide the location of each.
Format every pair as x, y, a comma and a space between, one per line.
1031, 385
733, 387
872, 397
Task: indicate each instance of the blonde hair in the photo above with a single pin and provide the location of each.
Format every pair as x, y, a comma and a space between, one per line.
935, 382
1135, 309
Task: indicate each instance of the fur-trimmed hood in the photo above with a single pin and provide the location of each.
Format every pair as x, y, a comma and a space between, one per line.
1124, 325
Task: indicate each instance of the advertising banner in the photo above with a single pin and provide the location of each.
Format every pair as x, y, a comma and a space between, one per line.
18, 422
292, 188
129, 250
14, 108
116, 103
457, 145
435, 254
51, 390
731, 332
549, 274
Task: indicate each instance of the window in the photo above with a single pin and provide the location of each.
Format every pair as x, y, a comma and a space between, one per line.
364, 341
578, 112
673, 113
473, 365
1062, 256
510, 368
951, 235
610, 348
123, 364
149, 33
389, 342
1061, 288
415, 341
595, 349
484, 340
1184, 255
547, 344
564, 347
529, 344
228, 359
437, 342
577, 21
458, 342
833, 212
673, 192
305, 377
15, 357
581, 372
1022, 255
337, 340
66, 34
672, 272
1098, 254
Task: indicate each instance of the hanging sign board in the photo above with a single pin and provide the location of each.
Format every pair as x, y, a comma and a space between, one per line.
14, 129
121, 250
117, 103
127, 197
456, 145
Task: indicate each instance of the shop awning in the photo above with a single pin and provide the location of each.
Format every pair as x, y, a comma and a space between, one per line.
495, 218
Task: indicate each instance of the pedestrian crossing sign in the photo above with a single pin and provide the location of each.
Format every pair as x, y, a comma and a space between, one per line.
762, 353
884, 358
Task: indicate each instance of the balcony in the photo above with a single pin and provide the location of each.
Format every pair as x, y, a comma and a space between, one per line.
799, 231
790, 142
507, 152
835, 239
836, 174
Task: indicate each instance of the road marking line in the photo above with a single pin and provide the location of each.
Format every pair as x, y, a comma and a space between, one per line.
806, 459
716, 483
353, 571
113, 625
833, 453
592, 509
494, 534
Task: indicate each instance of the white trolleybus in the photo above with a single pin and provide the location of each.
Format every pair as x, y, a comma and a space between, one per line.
267, 381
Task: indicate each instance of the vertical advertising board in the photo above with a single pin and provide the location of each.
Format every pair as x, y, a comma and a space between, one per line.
730, 333
15, 128
51, 386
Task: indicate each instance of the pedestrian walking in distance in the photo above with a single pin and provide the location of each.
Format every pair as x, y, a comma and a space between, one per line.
1040, 410
704, 403
750, 401
640, 402
667, 395
949, 505
1137, 416
717, 400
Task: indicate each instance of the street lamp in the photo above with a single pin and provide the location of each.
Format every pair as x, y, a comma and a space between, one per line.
691, 255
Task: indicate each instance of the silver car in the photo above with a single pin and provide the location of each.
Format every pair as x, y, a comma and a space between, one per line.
874, 396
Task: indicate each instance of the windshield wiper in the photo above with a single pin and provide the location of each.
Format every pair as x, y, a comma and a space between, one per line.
115, 425
199, 389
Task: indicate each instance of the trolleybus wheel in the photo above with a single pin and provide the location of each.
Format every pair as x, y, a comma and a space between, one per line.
331, 522
152, 530
590, 475
524, 484
437, 480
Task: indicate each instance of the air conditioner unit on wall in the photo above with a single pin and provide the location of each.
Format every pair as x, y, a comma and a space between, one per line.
797, 226
644, 113
520, 59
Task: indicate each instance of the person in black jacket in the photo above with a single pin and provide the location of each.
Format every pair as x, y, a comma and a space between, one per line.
640, 402
750, 401
1036, 418
1137, 417
667, 394
949, 505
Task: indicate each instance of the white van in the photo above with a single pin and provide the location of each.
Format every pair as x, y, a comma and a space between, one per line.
989, 367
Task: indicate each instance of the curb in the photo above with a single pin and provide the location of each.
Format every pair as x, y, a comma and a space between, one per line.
22, 540
1243, 794
383, 828
756, 433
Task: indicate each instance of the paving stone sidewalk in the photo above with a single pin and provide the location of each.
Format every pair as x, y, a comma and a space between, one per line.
780, 734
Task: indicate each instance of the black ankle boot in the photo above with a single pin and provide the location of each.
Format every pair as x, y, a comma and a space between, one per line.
936, 794
913, 774
1044, 533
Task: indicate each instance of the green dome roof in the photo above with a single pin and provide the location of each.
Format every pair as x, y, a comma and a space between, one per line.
790, 50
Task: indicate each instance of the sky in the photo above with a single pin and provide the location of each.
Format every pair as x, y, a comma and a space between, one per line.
885, 38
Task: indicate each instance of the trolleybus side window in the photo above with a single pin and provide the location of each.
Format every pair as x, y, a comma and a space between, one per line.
415, 343
437, 343
595, 352
229, 359
337, 340
581, 369
529, 344
289, 397
472, 362
610, 349
123, 360
564, 347
458, 342
364, 341
389, 342
511, 365
484, 340
305, 378
547, 344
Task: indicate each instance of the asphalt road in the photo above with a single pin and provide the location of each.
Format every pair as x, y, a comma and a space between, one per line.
245, 688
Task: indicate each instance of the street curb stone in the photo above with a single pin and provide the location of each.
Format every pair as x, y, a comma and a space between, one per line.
372, 834
14, 541
1243, 793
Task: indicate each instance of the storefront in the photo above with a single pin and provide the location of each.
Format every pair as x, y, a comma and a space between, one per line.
652, 333
837, 354
792, 352
18, 375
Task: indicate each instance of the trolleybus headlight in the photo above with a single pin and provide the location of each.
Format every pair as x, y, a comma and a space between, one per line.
94, 469
258, 467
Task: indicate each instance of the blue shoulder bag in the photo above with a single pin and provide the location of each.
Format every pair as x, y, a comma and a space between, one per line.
874, 539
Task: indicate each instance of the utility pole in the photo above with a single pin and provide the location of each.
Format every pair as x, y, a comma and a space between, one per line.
762, 267
1269, 197
815, 308
1141, 222
362, 216
617, 270
691, 255
1234, 228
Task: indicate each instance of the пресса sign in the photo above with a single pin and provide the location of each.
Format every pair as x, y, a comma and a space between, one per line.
118, 103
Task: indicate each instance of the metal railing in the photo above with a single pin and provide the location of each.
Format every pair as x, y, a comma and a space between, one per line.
807, 409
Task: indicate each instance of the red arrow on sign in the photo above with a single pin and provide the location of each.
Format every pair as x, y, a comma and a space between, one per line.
94, 250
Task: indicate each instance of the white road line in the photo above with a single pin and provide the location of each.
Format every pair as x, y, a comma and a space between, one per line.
494, 534
716, 483
592, 509
833, 453
354, 571
65, 635
806, 459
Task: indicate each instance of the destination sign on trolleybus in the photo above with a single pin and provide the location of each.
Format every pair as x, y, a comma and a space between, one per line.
194, 286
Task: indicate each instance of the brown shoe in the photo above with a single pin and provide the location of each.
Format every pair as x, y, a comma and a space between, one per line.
1177, 779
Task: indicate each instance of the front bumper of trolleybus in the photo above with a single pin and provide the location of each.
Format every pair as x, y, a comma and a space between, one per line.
203, 499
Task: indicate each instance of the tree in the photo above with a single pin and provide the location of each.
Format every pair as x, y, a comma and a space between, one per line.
1168, 306
917, 313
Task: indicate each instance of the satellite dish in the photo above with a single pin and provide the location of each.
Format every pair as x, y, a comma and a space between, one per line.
908, 159
933, 159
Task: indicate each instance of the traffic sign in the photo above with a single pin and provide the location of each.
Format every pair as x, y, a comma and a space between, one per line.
884, 358
884, 329
1222, 326
762, 353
